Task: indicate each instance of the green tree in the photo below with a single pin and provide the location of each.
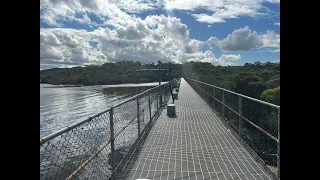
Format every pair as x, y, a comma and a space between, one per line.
272, 95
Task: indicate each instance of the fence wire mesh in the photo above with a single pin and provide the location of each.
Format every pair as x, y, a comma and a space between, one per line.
88, 149
255, 121
64, 154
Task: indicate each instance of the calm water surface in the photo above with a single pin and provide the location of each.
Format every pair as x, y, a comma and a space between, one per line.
62, 106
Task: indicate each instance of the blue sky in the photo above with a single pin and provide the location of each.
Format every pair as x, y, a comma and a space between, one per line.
221, 32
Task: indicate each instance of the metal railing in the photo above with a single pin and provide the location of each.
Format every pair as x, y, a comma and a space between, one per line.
99, 147
255, 121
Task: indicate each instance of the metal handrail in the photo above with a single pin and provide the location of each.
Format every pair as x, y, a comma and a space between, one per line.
70, 127
69, 134
239, 112
251, 98
244, 118
137, 95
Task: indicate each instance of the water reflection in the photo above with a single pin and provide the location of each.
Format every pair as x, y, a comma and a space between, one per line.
62, 106
124, 92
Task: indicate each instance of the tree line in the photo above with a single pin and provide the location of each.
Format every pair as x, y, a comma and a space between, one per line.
258, 80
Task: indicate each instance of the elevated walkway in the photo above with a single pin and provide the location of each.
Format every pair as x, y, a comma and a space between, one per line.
194, 145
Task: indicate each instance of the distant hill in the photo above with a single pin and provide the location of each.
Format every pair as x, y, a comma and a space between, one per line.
250, 79
108, 73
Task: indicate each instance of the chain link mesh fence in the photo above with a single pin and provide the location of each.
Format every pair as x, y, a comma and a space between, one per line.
255, 121
99, 147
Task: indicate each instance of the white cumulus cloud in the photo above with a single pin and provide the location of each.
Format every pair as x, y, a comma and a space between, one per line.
244, 39
230, 57
136, 40
121, 36
270, 39
241, 40
218, 11
273, 1
275, 51
277, 24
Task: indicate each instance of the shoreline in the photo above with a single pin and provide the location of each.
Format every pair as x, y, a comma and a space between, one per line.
105, 85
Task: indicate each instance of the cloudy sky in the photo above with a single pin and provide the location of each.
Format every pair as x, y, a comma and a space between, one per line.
222, 32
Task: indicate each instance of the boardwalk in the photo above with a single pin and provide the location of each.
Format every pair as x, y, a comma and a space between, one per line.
194, 145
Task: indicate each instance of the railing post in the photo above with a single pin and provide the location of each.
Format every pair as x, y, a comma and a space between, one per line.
157, 98
208, 93
213, 97
160, 96
240, 114
198, 87
278, 144
112, 142
205, 92
149, 102
138, 115
223, 102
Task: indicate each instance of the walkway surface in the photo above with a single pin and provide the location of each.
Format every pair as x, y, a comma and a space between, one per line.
194, 145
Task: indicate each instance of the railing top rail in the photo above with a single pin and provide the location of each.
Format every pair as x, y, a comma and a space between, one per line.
137, 95
70, 127
253, 99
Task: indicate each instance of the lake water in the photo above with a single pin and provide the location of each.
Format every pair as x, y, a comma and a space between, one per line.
62, 106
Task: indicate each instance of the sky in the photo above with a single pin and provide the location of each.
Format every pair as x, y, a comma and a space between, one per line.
221, 32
